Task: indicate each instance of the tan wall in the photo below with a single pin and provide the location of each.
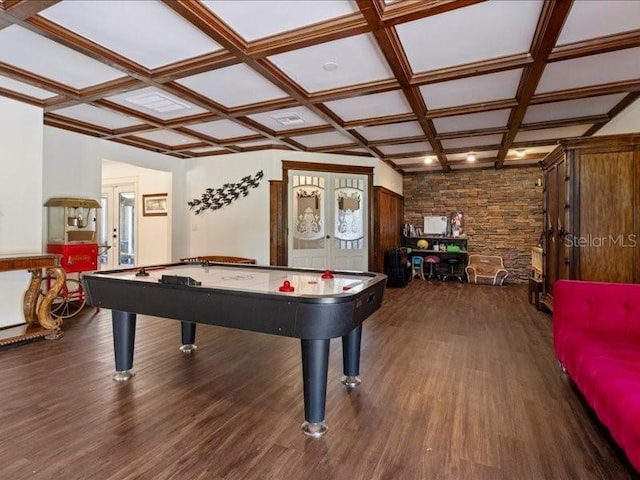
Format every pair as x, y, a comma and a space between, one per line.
502, 210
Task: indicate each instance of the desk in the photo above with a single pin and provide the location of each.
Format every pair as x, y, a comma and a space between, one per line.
38, 317
246, 297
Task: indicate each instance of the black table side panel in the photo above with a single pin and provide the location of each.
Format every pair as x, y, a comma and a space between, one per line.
274, 314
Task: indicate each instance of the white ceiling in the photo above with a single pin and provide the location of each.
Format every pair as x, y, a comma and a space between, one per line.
398, 80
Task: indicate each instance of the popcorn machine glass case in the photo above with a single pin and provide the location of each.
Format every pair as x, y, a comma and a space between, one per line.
72, 232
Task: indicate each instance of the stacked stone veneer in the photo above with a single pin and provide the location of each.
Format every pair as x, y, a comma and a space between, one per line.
502, 210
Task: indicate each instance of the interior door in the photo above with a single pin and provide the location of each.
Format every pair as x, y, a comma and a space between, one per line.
117, 226
328, 220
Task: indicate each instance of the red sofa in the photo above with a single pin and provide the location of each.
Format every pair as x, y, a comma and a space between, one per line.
596, 337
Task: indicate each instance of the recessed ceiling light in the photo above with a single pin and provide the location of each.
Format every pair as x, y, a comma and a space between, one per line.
471, 157
428, 160
520, 153
330, 66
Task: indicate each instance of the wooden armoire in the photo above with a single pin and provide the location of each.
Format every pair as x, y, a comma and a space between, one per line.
592, 211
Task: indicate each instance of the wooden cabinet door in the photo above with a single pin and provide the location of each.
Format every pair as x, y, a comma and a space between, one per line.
562, 220
551, 245
606, 217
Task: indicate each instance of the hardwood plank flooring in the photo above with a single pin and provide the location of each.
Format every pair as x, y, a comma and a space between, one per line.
459, 382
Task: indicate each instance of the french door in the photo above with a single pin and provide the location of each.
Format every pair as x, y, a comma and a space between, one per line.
117, 226
327, 220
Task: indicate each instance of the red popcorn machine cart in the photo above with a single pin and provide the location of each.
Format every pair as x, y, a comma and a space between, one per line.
71, 233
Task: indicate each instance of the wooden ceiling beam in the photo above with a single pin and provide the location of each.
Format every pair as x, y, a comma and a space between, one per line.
37, 81
471, 108
389, 43
595, 46
213, 27
473, 69
552, 18
624, 103
402, 12
587, 92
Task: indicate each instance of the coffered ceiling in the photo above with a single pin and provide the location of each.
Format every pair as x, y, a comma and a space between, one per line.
405, 81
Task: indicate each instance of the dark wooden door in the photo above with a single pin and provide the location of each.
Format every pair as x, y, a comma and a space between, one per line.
607, 197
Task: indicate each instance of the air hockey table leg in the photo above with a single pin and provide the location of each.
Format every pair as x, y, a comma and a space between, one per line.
188, 337
351, 357
315, 365
124, 335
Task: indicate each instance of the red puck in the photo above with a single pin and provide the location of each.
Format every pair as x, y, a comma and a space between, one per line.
327, 274
286, 287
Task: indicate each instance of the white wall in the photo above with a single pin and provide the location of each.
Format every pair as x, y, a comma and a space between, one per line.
242, 228
73, 166
20, 199
627, 121
153, 234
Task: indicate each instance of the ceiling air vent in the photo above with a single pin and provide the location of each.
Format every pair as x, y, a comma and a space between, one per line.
157, 102
288, 119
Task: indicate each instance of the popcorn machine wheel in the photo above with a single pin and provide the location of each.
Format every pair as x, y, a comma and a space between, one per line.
71, 233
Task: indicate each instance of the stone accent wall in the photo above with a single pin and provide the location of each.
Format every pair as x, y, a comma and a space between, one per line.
502, 210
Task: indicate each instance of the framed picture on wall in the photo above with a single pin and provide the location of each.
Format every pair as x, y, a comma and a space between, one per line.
154, 205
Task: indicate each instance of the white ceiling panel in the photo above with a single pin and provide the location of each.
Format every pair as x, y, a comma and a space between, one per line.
478, 140
25, 89
268, 119
415, 147
259, 143
478, 32
590, 19
369, 106
472, 121
323, 139
98, 116
270, 18
586, 71
222, 129
550, 133
340, 63
233, 86
482, 88
358, 150
167, 137
176, 106
208, 150
137, 30
582, 107
394, 130
479, 156
44, 57
534, 150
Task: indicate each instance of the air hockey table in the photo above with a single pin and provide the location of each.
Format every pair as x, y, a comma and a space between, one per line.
312, 305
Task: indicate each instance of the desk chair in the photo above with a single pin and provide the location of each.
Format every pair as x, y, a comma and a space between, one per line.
433, 262
454, 272
417, 265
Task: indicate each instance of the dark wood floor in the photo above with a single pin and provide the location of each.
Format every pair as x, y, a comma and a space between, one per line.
459, 382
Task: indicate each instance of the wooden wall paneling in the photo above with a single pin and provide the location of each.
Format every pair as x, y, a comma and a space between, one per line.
278, 243
389, 208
